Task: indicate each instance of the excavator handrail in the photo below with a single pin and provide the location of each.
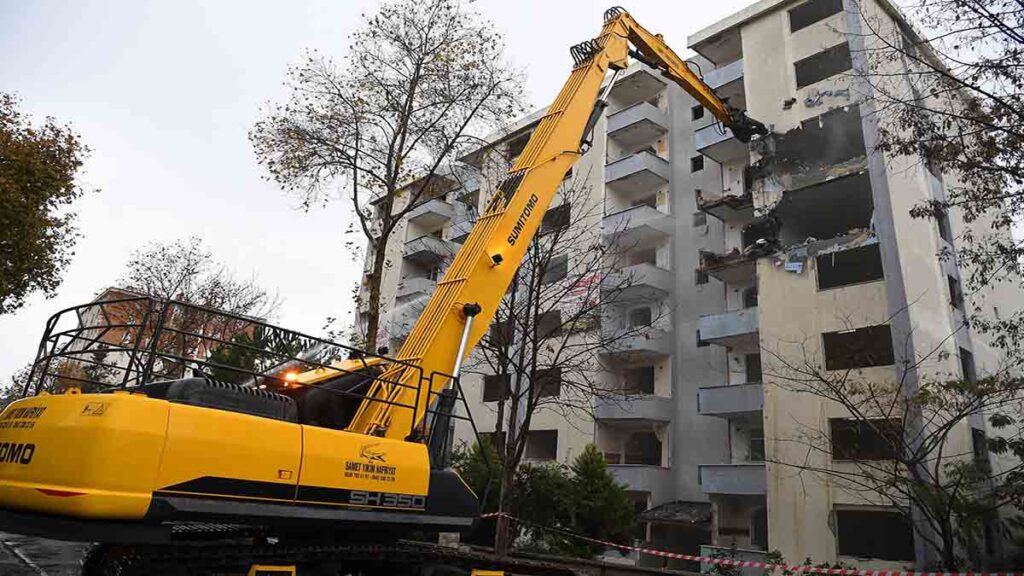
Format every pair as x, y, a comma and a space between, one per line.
113, 343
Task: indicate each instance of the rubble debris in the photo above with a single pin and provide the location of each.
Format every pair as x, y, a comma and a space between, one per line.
793, 258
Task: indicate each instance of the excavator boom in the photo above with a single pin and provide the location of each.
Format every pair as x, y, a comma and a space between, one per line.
485, 265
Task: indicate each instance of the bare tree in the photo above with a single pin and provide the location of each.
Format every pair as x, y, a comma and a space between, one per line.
551, 336
420, 81
902, 445
185, 271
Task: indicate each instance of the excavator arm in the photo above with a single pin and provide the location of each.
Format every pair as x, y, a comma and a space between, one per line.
464, 303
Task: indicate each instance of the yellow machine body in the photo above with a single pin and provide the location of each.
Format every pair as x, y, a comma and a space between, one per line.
126, 456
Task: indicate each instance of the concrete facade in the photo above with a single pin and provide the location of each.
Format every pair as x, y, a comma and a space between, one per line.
820, 191
730, 241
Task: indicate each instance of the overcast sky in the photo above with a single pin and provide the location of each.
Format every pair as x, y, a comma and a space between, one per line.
165, 93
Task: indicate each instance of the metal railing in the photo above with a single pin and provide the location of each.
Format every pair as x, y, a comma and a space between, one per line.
126, 343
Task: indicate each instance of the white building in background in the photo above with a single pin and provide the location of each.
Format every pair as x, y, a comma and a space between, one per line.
812, 244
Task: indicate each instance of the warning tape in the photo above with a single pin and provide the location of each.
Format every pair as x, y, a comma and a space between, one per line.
804, 569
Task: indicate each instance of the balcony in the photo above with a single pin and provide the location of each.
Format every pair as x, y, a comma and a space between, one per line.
638, 175
731, 401
734, 479
428, 250
645, 407
727, 82
718, 143
463, 219
738, 329
432, 213
727, 207
733, 268
637, 283
401, 319
638, 124
637, 226
638, 85
460, 230
654, 479
646, 345
410, 288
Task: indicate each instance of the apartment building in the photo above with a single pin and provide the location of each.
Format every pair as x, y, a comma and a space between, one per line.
822, 264
755, 258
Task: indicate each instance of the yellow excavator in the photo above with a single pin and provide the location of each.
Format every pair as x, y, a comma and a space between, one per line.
138, 430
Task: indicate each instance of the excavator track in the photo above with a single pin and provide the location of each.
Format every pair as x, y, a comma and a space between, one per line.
232, 559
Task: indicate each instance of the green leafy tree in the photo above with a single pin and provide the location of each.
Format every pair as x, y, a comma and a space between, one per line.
254, 352
542, 497
549, 502
39, 181
601, 508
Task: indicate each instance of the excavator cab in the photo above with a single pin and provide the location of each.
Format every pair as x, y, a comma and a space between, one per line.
140, 414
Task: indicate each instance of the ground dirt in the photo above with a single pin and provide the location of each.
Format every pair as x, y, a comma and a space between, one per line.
26, 556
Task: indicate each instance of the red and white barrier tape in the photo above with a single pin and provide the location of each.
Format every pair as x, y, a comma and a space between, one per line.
750, 563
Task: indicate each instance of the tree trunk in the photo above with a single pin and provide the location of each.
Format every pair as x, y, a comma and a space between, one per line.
949, 560
373, 312
513, 437
502, 532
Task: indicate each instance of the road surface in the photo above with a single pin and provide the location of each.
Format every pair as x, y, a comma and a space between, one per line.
26, 556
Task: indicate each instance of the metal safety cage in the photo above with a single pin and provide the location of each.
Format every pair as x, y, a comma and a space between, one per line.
123, 344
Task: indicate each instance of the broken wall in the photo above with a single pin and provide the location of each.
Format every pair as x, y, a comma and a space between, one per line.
818, 149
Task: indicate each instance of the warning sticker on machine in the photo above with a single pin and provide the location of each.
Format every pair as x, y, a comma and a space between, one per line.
22, 417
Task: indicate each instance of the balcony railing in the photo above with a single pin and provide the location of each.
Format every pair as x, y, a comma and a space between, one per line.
723, 75
414, 288
637, 226
718, 143
731, 401
646, 407
656, 480
638, 124
737, 329
429, 250
460, 230
727, 82
636, 283
639, 85
431, 213
635, 344
637, 175
737, 479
